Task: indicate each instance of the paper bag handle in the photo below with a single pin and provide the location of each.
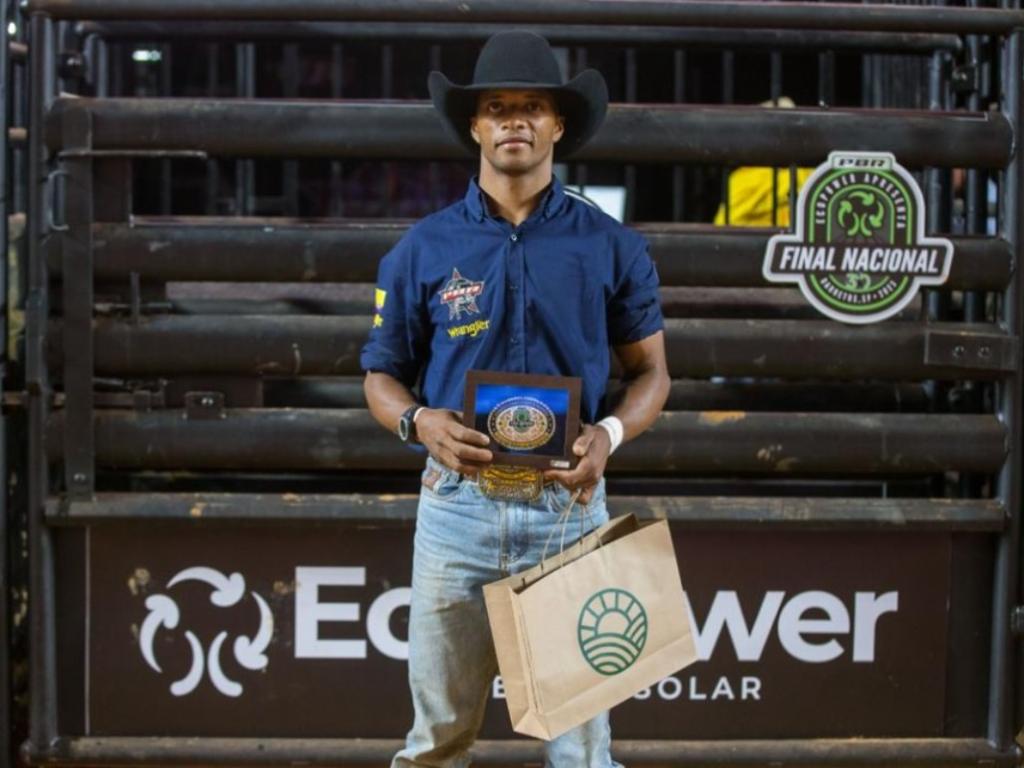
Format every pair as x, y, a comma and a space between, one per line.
563, 518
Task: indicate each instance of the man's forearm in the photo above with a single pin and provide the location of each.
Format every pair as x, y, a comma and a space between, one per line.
641, 401
387, 397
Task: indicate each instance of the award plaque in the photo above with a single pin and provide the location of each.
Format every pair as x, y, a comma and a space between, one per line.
532, 420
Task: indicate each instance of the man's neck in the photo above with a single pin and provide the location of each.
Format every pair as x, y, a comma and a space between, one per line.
513, 198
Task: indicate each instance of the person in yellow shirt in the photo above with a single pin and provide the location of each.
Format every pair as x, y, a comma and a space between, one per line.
750, 191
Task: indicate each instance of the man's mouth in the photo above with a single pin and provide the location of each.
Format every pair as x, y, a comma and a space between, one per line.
515, 141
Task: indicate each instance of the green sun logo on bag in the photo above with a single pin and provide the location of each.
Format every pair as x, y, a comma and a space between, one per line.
612, 631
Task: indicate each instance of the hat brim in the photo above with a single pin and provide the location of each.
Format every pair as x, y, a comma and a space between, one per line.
583, 102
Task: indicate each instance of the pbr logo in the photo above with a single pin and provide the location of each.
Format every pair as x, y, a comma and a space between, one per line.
859, 253
460, 293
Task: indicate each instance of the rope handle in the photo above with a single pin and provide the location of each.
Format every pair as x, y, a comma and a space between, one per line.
563, 518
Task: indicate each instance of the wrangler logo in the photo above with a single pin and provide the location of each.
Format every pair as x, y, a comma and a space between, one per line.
469, 329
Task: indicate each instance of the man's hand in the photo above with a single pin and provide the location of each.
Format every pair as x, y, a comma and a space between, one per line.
455, 446
593, 447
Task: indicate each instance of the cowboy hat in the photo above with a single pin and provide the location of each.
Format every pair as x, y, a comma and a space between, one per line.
517, 59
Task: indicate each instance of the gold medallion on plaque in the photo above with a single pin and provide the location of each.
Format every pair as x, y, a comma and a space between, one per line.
521, 423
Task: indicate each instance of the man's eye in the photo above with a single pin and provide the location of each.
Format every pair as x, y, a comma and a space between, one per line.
533, 106
494, 107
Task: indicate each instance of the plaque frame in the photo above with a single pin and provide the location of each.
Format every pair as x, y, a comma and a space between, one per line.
570, 384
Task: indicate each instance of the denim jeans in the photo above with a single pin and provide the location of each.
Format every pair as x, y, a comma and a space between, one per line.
463, 541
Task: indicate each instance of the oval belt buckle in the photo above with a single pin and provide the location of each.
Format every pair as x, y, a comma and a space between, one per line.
505, 482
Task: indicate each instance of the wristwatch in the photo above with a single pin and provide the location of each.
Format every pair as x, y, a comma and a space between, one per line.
407, 424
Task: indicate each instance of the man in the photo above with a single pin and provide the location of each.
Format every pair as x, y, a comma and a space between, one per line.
520, 276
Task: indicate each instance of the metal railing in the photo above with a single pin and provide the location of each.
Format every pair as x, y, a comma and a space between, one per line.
82, 152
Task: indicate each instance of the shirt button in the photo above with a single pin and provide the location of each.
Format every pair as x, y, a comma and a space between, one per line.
513, 237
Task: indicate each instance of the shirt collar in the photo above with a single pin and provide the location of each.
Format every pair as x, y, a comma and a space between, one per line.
549, 205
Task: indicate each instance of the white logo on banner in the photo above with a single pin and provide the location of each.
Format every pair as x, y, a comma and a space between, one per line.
227, 591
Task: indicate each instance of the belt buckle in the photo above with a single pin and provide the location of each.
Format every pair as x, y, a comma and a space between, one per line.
506, 482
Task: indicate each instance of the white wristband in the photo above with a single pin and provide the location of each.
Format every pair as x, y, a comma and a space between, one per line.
613, 427
417, 412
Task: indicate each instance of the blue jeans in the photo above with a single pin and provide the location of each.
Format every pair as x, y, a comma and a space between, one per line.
463, 541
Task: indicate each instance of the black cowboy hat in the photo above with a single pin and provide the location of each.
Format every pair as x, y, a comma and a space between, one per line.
517, 59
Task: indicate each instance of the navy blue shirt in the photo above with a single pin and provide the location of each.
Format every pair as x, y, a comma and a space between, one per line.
464, 290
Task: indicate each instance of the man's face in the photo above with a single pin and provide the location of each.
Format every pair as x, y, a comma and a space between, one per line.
516, 129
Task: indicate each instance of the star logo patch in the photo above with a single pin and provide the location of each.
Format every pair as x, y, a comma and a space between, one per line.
460, 295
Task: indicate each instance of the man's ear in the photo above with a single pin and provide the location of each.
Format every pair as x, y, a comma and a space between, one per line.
559, 128
473, 131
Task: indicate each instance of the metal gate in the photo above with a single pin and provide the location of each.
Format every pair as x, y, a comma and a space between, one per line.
203, 477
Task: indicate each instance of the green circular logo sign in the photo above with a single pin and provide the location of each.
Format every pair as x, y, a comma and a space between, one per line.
859, 252
612, 631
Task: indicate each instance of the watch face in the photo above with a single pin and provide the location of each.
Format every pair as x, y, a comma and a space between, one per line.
403, 428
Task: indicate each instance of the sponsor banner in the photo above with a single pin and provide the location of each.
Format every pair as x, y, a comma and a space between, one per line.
301, 632
859, 252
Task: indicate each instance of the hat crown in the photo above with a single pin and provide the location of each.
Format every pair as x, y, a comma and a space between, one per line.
516, 56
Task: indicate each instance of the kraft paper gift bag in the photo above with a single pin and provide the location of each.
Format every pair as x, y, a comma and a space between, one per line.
589, 627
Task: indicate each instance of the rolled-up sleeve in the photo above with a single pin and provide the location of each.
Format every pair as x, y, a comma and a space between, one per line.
396, 341
634, 311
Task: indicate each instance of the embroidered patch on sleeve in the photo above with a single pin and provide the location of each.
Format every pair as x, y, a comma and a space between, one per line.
379, 296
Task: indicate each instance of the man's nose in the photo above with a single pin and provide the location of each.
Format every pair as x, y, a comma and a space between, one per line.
518, 117
515, 116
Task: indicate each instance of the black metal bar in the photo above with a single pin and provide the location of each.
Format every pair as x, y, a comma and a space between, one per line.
212, 166
290, 74
695, 442
558, 34
337, 195
975, 194
436, 195
6, 44
294, 345
1003, 671
18, 173
936, 753
42, 618
693, 512
102, 81
937, 181
867, 90
629, 172
166, 171
116, 55
775, 91
631, 134
678, 96
826, 78
77, 307
849, 16
268, 249
387, 72
245, 88
728, 90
